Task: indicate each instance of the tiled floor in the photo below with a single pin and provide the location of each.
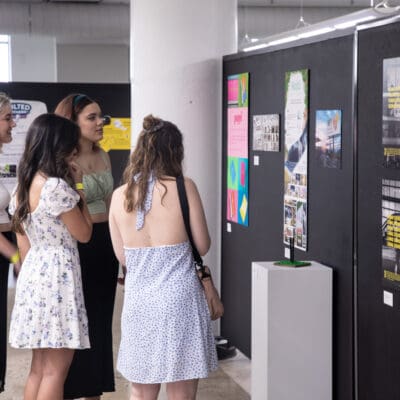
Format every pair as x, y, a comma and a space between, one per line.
231, 381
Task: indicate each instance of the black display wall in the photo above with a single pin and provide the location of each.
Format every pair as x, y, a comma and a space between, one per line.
330, 194
378, 324
114, 99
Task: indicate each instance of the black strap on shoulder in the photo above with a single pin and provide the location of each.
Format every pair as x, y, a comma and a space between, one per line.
180, 183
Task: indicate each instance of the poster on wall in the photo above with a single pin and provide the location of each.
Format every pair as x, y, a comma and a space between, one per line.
266, 131
296, 154
238, 157
391, 232
391, 113
328, 138
117, 135
24, 112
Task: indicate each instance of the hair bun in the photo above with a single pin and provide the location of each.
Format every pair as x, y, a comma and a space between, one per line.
152, 124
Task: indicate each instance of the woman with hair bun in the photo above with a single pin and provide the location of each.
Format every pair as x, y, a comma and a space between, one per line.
166, 332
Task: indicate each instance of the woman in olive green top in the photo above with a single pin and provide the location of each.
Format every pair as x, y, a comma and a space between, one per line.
92, 371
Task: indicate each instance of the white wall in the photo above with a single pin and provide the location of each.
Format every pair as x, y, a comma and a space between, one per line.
93, 63
177, 48
33, 58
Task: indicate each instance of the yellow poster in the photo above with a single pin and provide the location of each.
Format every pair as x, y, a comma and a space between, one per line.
117, 135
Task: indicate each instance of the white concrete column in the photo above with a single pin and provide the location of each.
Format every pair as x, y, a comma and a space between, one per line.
33, 58
176, 73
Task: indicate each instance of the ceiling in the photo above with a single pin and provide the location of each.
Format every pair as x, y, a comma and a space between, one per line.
241, 3
306, 3
69, 1
107, 21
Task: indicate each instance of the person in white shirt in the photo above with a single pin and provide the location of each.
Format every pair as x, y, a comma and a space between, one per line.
8, 250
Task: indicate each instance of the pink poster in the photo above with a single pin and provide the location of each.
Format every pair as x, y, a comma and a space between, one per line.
233, 91
237, 132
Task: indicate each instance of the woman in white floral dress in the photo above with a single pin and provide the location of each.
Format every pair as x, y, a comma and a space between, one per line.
49, 216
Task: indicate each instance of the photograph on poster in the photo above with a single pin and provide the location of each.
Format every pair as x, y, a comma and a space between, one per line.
266, 132
301, 223
328, 138
391, 113
290, 212
288, 233
391, 233
296, 154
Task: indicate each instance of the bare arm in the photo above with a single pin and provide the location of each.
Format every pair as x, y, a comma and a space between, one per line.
78, 222
7, 249
198, 223
23, 245
116, 238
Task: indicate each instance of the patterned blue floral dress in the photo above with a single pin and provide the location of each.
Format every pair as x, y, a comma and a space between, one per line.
166, 331
49, 310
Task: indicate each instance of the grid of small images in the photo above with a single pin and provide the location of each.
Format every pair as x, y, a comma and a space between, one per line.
266, 132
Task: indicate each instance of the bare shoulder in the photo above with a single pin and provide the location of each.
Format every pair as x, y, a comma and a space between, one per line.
189, 182
190, 185
119, 192
38, 182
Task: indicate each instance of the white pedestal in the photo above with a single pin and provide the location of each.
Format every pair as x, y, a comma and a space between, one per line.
291, 353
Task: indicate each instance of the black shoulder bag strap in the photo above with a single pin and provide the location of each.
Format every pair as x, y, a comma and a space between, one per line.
180, 183
201, 269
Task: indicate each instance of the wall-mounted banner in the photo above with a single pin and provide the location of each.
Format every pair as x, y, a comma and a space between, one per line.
391, 232
24, 112
328, 138
237, 149
266, 131
117, 135
391, 113
296, 154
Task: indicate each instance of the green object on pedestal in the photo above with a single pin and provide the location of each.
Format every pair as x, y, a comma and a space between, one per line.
288, 263
292, 262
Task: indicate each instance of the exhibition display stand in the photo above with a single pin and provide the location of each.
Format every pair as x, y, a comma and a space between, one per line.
291, 332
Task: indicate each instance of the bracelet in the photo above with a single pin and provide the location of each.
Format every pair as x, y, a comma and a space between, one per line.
79, 186
15, 258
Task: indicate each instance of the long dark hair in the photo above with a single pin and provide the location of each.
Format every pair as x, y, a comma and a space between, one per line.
158, 151
49, 140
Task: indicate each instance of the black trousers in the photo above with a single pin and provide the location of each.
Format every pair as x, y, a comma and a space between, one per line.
92, 370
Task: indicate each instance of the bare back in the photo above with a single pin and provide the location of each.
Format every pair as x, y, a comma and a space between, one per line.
163, 224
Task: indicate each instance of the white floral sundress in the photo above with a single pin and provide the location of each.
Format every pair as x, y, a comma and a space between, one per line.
49, 309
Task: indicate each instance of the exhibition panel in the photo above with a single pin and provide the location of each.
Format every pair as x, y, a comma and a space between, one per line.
292, 193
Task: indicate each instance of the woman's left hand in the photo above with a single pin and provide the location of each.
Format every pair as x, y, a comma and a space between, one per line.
121, 279
17, 268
